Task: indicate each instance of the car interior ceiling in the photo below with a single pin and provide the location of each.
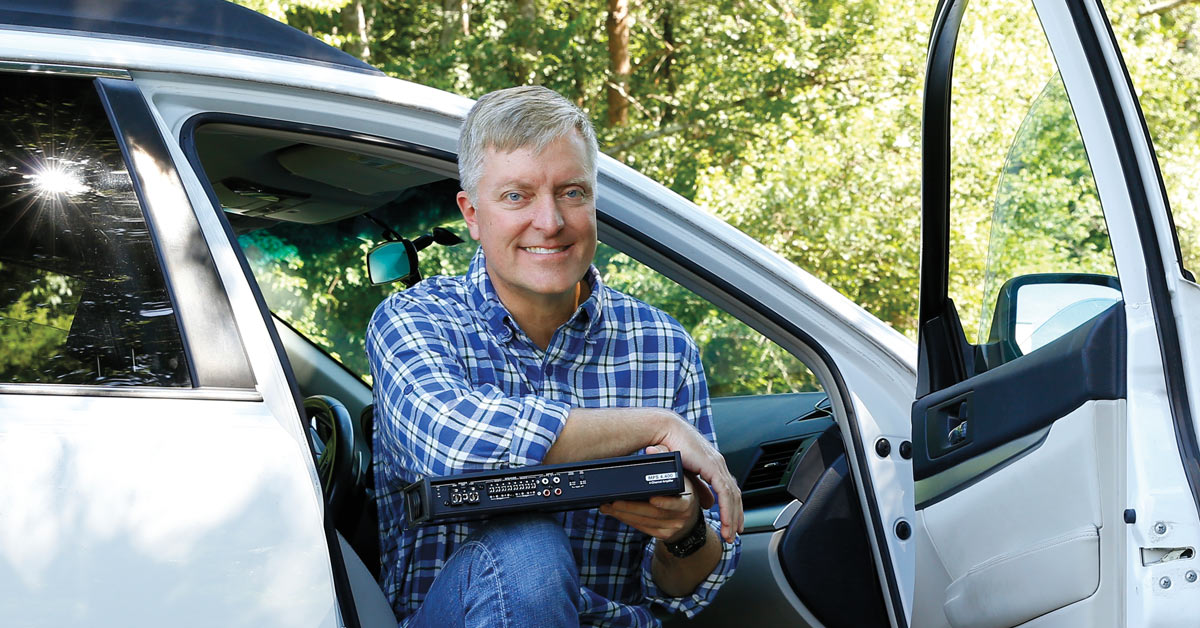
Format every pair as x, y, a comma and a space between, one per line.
266, 178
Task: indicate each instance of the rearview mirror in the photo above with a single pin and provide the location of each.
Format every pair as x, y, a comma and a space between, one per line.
1034, 310
393, 261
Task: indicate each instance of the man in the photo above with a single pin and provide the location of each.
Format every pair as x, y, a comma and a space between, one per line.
530, 359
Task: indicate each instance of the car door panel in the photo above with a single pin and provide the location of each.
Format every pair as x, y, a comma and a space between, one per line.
1013, 555
1015, 400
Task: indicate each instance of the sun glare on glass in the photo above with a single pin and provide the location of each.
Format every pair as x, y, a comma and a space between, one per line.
54, 179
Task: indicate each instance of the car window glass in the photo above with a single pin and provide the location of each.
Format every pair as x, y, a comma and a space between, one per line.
1027, 227
82, 296
306, 211
737, 359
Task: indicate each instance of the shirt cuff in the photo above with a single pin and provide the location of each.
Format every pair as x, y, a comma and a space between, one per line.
540, 422
692, 604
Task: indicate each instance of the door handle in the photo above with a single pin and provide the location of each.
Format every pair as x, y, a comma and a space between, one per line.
947, 425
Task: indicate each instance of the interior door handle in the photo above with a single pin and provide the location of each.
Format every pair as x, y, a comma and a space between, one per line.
947, 425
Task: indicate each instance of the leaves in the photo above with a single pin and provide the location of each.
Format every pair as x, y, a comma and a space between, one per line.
799, 122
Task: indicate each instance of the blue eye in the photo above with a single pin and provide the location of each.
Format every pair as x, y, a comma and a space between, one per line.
512, 196
574, 194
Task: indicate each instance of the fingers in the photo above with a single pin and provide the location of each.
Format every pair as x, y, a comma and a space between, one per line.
657, 508
700, 490
657, 522
700, 457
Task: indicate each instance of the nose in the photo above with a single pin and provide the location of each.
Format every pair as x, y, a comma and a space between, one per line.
547, 217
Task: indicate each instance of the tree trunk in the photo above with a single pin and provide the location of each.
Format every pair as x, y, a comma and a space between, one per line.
617, 25
668, 34
354, 24
456, 18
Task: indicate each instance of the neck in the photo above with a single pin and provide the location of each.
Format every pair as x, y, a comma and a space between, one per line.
540, 316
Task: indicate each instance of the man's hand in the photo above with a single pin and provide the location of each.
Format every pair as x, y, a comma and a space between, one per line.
664, 517
701, 458
601, 432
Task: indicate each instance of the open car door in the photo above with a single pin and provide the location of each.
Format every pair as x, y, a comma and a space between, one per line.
1055, 455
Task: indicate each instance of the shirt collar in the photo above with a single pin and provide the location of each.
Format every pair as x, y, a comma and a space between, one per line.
497, 318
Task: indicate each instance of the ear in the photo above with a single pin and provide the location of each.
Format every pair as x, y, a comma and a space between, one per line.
468, 211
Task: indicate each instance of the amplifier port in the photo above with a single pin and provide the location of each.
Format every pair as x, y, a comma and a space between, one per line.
545, 492
557, 479
558, 491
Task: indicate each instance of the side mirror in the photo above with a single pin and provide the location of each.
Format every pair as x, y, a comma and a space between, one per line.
393, 261
1034, 310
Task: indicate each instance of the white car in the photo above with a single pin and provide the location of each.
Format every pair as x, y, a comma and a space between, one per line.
188, 193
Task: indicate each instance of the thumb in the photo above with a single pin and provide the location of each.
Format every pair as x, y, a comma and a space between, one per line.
657, 449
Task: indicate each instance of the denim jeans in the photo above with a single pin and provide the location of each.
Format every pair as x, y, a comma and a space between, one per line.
517, 571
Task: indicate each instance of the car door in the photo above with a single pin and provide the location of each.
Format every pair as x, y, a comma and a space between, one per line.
147, 481
1055, 458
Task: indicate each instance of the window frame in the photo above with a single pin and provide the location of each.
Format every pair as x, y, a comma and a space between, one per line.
130, 122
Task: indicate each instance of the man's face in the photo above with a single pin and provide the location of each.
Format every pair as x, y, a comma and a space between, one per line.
535, 217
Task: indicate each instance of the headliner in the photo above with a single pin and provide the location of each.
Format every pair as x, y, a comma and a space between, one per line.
206, 23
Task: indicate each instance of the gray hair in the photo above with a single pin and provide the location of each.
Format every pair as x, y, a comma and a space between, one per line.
515, 118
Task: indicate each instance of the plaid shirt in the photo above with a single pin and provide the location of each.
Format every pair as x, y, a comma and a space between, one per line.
458, 386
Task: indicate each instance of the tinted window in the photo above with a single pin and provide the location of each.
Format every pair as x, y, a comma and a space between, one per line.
82, 296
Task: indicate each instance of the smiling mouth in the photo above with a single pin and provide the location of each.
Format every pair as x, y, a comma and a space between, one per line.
537, 250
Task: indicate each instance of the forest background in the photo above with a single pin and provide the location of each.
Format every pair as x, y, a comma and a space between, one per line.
798, 122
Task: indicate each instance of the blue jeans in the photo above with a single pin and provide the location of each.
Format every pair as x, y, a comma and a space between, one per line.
517, 571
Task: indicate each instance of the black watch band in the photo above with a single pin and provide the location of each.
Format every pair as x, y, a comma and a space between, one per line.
691, 543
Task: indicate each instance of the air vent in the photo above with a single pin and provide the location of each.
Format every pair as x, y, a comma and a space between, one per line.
772, 463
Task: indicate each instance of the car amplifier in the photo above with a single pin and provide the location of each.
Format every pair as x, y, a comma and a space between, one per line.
568, 486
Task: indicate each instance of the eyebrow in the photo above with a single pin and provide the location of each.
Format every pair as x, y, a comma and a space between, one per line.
582, 182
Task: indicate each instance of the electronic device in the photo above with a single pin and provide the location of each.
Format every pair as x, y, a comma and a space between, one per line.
542, 488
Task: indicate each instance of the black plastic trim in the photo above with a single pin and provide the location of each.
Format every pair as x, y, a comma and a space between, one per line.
881, 533
935, 202
213, 347
1156, 277
198, 120
187, 143
1020, 397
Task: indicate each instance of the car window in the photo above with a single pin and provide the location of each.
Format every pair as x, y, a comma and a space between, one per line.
737, 359
307, 209
1030, 251
82, 296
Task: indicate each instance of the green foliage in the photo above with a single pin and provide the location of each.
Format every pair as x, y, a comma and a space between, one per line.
799, 123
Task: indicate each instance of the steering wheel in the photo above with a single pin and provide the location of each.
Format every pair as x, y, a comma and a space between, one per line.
332, 432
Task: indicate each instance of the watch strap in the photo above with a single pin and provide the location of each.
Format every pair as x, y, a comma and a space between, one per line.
692, 541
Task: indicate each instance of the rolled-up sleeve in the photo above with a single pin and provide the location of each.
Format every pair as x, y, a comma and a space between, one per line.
431, 417
692, 403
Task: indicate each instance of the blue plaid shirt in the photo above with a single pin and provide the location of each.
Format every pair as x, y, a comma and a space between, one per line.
458, 386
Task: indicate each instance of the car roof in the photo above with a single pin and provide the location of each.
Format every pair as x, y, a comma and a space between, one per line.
198, 23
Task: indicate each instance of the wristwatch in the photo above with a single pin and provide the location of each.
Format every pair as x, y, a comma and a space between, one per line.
692, 542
